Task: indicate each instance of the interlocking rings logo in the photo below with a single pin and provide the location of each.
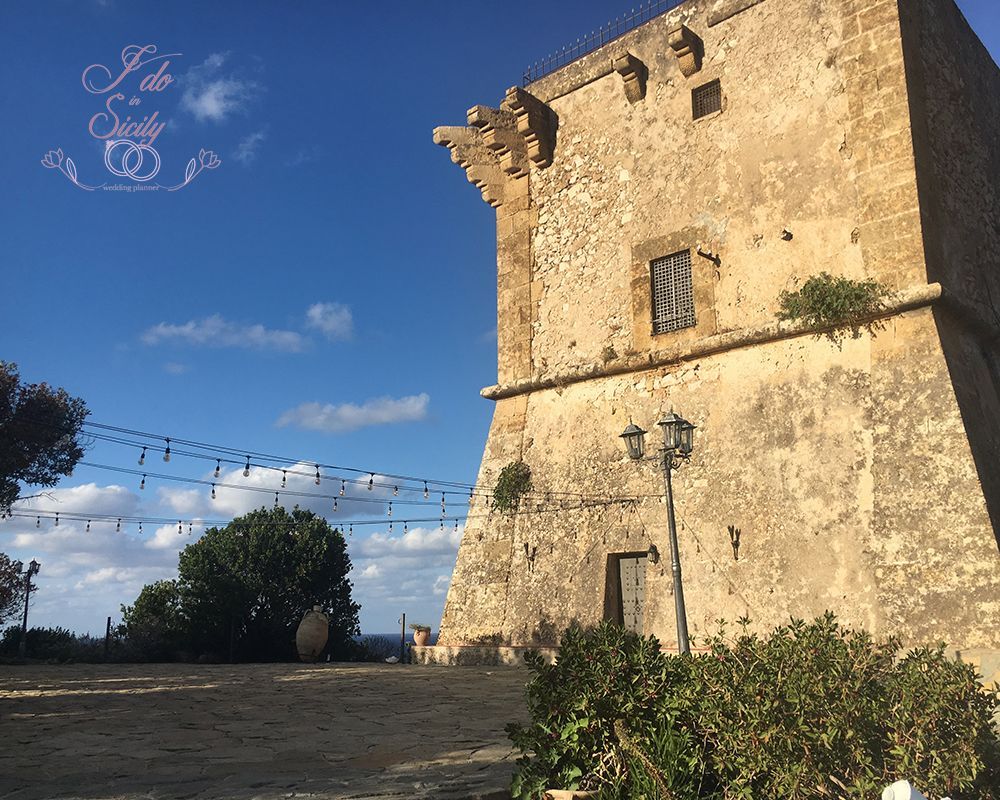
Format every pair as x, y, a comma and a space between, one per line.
126, 159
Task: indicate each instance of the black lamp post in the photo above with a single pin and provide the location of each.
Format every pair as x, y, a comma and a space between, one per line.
33, 567
678, 442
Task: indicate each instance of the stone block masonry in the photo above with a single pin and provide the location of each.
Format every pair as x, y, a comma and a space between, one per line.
760, 143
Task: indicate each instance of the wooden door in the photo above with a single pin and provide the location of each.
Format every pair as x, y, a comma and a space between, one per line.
632, 581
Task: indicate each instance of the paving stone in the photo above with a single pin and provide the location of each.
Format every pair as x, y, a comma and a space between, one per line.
264, 731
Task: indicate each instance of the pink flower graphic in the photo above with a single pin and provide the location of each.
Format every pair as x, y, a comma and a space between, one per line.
53, 159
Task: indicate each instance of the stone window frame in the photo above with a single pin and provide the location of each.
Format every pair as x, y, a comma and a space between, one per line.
702, 283
704, 78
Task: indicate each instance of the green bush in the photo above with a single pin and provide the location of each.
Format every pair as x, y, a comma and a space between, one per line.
810, 710
824, 301
605, 676
52, 644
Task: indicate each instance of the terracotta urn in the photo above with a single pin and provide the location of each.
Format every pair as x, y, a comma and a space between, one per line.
421, 638
311, 636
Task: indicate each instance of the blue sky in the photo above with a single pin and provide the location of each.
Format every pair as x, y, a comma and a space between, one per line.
334, 274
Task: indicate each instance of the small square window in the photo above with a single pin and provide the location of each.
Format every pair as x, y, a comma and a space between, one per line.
673, 293
706, 99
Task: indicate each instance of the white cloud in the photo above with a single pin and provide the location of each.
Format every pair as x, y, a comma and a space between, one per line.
246, 150
175, 368
334, 320
344, 417
215, 331
210, 95
412, 570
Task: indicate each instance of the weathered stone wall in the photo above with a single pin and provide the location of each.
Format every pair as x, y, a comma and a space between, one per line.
848, 467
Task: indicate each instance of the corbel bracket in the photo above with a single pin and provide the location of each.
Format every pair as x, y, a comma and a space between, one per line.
688, 47
536, 122
634, 73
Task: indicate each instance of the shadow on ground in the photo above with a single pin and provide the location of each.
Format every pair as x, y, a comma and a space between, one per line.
264, 731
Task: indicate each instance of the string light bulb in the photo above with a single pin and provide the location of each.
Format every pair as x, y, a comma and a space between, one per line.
456, 526
284, 479
180, 528
406, 527
334, 505
246, 469
189, 528
350, 530
390, 510
371, 482
442, 504
395, 491
427, 493
218, 467
342, 487
390, 529
140, 529
166, 453
88, 526
118, 527
142, 457
213, 491
142, 483
56, 523
275, 499
38, 522
317, 474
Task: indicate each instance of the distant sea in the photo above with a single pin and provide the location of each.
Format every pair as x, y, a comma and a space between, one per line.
394, 637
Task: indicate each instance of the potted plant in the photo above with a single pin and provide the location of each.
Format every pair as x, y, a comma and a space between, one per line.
421, 634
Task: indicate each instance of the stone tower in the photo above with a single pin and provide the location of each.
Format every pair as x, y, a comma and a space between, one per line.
653, 199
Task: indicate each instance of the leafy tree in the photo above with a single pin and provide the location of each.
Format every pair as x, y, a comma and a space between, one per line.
154, 624
11, 588
247, 585
39, 434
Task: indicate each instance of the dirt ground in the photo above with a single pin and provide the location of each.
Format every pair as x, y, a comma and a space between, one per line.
256, 731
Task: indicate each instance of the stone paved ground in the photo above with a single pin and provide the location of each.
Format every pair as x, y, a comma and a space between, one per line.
125, 732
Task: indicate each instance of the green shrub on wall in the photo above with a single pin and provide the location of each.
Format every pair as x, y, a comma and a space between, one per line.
825, 301
512, 484
810, 710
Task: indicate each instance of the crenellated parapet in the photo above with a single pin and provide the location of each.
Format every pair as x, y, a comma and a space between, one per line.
499, 145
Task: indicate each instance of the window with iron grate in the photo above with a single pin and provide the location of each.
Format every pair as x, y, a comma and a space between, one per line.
706, 99
673, 293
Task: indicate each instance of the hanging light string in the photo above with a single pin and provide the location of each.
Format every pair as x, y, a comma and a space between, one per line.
219, 484
124, 519
236, 456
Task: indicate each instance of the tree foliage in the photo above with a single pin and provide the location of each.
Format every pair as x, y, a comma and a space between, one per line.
11, 588
40, 431
245, 587
155, 622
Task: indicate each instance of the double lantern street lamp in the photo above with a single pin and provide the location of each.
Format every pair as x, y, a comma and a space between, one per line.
32, 571
678, 442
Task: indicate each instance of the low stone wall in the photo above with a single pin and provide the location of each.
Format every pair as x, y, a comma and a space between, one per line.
478, 655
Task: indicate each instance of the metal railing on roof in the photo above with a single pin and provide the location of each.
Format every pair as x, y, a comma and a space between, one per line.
606, 33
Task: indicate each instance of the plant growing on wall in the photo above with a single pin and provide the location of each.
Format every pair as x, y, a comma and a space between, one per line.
512, 484
824, 301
